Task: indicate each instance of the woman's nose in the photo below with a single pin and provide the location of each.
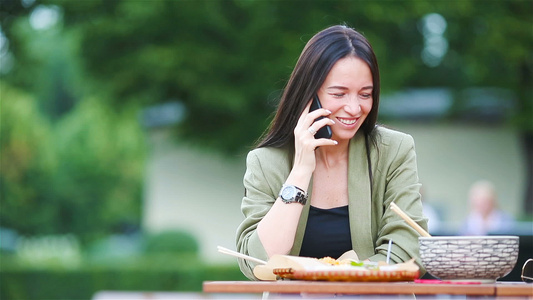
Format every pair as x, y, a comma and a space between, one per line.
353, 106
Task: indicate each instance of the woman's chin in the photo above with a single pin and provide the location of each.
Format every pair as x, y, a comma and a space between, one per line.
344, 135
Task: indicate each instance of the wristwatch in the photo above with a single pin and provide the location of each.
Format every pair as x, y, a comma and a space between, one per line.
292, 194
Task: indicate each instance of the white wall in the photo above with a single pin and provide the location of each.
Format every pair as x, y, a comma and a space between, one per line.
193, 190
201, 192
452, 157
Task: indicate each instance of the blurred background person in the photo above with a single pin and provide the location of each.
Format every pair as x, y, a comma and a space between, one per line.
485, 217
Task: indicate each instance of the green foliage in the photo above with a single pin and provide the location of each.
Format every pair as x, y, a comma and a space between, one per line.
61, 251
178, 274
81, 175
28, 164
102, 155
228, 60
168, 242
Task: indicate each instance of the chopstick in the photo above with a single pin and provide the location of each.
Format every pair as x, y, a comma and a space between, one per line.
407, 219
240, 255
388, 252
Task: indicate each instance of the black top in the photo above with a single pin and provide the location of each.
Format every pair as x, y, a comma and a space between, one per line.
327, 233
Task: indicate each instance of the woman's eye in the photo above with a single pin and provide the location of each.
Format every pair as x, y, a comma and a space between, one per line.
366, 96
340, 95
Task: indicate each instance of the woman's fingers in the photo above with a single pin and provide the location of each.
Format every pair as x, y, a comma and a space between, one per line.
305, 142
307, 118
321, 123
321, 113
308, 126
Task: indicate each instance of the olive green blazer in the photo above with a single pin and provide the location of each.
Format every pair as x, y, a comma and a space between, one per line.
372, 224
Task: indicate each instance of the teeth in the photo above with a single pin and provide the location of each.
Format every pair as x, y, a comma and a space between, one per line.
347, 122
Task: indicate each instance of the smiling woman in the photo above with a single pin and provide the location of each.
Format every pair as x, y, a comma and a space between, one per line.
321, 197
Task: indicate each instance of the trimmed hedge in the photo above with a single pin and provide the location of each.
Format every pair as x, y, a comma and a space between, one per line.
83, 283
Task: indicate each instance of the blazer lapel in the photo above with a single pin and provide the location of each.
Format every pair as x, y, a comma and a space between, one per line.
360, 197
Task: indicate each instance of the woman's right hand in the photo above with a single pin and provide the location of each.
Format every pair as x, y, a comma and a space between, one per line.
281, 215
304, 137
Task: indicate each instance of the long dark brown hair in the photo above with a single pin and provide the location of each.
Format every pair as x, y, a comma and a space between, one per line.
318, 57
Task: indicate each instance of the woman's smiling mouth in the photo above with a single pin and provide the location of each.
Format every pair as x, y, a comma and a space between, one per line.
347, 121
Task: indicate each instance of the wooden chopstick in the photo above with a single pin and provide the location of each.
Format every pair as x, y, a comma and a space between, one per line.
409, 221
240, 255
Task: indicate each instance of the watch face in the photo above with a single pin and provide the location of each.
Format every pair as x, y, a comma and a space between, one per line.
288, 193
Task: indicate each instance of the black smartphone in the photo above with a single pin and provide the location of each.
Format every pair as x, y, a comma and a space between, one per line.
324, 132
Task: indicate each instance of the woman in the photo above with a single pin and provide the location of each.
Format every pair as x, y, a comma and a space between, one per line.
322, 197
485, 217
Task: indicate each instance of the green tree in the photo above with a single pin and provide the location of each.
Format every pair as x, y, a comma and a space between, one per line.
81, 175
228, 60
70, 164
28, 163
100, 170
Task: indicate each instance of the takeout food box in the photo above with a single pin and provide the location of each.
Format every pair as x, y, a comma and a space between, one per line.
307, 268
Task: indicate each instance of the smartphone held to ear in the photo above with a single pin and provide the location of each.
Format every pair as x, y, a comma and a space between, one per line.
324, 132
